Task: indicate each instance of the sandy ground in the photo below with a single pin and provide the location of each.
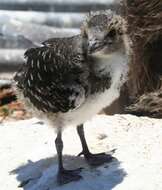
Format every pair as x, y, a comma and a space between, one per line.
27, 154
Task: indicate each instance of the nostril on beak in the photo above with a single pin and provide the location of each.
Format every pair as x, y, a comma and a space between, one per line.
92, 43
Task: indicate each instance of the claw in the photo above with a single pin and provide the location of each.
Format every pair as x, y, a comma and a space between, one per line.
112, 151
81, 153
25, 182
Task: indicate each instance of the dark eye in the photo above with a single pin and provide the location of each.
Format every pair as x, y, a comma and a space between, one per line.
85, 34
111, 34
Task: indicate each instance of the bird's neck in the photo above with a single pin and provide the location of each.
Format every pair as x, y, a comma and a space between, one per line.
114, 66
108, 62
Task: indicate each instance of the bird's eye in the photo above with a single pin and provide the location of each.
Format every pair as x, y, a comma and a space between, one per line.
111, 34
85, 35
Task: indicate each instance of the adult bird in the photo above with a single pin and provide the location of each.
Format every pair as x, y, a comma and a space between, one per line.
69, 80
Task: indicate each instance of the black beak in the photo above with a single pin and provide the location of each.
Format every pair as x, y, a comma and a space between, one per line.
94, 45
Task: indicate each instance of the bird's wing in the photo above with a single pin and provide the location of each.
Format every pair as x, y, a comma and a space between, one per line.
53, 82
50, 42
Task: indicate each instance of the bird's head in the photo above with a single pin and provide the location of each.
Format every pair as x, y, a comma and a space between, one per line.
104, 31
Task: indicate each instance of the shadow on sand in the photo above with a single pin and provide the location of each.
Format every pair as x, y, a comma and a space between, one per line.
41, 175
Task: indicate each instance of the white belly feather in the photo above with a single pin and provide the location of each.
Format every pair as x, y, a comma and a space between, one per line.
117, 66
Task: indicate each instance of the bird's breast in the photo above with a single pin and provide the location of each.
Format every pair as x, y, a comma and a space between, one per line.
117, 68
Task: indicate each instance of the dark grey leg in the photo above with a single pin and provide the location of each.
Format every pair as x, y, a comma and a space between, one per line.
59, 148
80, 131
64, 176
92, 159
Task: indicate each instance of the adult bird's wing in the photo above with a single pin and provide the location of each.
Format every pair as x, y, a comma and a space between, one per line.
53, 82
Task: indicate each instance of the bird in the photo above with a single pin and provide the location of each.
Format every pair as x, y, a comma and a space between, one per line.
148, 104
68, 80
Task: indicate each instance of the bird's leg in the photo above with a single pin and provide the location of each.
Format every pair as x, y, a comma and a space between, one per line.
85, 148
92, 159
64, 176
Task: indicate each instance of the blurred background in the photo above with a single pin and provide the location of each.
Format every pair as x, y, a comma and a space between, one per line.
25, 24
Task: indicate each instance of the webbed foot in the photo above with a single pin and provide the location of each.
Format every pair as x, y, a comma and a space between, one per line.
66, 176
97, 159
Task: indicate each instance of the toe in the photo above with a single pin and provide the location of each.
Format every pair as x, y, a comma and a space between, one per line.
99, 159
68, 176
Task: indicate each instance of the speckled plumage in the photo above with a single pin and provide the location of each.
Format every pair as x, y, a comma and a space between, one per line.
52, 80
63, 77
53, 76
69, 80
149, 104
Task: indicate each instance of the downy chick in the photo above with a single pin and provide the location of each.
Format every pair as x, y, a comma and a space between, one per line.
69, 80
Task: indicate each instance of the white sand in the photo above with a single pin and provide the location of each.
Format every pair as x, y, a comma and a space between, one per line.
139, 154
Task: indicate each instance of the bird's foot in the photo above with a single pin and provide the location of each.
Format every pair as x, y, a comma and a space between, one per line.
66, 176
97, 159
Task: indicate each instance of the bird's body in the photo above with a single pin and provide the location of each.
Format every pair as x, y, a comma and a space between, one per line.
48, 85
53, 79
69, 80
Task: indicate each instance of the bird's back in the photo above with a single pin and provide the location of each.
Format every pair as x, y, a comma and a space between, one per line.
53, 76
